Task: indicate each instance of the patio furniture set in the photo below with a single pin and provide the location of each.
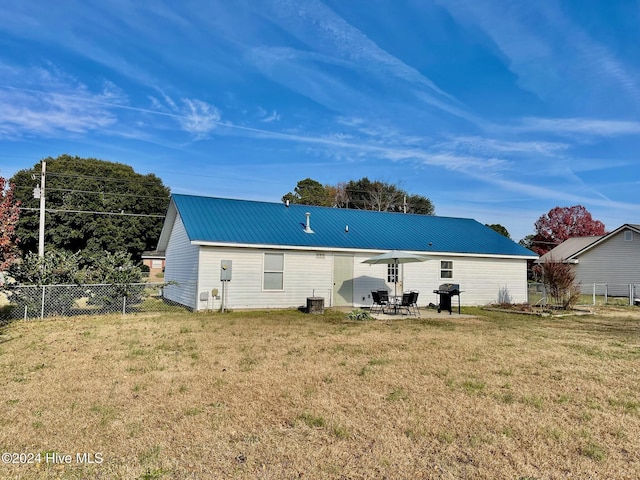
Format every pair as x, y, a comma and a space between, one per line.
408, 301
405, 304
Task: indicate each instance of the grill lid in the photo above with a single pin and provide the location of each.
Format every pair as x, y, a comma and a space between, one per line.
451, 288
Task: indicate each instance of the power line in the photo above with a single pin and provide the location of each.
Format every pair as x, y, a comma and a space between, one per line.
106, 193
71, 190
111, 179
381, 183
55, 210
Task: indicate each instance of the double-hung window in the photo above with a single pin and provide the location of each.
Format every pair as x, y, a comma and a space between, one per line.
446, 269
273, 278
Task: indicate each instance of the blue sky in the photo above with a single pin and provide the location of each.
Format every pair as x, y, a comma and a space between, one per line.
495, 110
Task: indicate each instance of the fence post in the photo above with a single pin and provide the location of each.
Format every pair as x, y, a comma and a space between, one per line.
42, 306
630, 294
124, 305
594, 293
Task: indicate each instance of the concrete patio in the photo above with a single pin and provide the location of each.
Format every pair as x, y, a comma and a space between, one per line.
424, 313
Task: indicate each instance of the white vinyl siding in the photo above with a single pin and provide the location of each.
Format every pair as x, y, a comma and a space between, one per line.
615, 261
481, 279
181, 266
307, 274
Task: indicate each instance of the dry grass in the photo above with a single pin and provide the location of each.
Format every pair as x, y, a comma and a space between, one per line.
283, 395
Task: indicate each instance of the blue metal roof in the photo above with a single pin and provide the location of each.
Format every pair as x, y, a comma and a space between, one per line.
221, 220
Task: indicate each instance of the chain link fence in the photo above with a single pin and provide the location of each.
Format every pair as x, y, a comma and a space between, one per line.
591, 294
42, 301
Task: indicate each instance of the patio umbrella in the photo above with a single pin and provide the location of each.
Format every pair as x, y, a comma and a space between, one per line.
396, 257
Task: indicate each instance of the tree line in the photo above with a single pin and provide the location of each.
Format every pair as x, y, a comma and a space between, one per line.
101, 216
363, 194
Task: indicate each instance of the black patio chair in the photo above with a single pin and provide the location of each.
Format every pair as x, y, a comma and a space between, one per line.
414, 302
410, 303
404, 303
378, 304
384, 296
386, 301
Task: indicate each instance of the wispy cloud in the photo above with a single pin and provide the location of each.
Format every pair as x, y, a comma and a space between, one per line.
591, 197
46, 101
553, 56
488, 145
586, 126
66, 106
327, 32
195, 117
330, 40
198, 118
268, 117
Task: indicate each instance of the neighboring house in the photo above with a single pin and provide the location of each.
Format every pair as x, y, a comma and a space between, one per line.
612, 259
281, 254
155, 261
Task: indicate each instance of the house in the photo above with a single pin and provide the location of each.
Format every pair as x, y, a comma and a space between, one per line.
277, 255
612, 259
154, 260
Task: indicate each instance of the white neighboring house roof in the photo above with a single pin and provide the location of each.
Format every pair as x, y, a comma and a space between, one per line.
569, 250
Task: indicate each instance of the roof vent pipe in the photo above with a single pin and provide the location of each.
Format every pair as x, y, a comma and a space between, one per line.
307, 229
286, 202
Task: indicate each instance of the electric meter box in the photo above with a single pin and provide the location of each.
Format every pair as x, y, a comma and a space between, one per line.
225, 270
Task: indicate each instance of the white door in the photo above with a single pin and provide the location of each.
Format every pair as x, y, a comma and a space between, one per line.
343, 280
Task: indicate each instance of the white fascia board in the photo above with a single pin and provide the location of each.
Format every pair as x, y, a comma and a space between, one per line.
353, 250
167, 226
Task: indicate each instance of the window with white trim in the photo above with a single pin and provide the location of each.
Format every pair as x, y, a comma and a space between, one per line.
446, 269
628, 236
273, 277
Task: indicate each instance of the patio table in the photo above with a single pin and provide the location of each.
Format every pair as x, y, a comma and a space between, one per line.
394, 304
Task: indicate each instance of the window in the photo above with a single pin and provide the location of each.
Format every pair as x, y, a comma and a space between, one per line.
446, 269
392, 273
273, 271
628, 236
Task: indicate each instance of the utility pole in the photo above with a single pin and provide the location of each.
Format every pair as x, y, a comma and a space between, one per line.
41, 238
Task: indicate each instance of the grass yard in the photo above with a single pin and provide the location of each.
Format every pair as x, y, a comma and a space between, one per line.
284, 395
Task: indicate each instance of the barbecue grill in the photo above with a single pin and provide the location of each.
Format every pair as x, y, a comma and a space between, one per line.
445, 292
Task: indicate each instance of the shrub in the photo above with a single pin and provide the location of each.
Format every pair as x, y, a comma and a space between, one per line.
559, 280
359, 315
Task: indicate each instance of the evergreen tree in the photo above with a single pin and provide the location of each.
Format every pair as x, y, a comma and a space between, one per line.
92, 206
